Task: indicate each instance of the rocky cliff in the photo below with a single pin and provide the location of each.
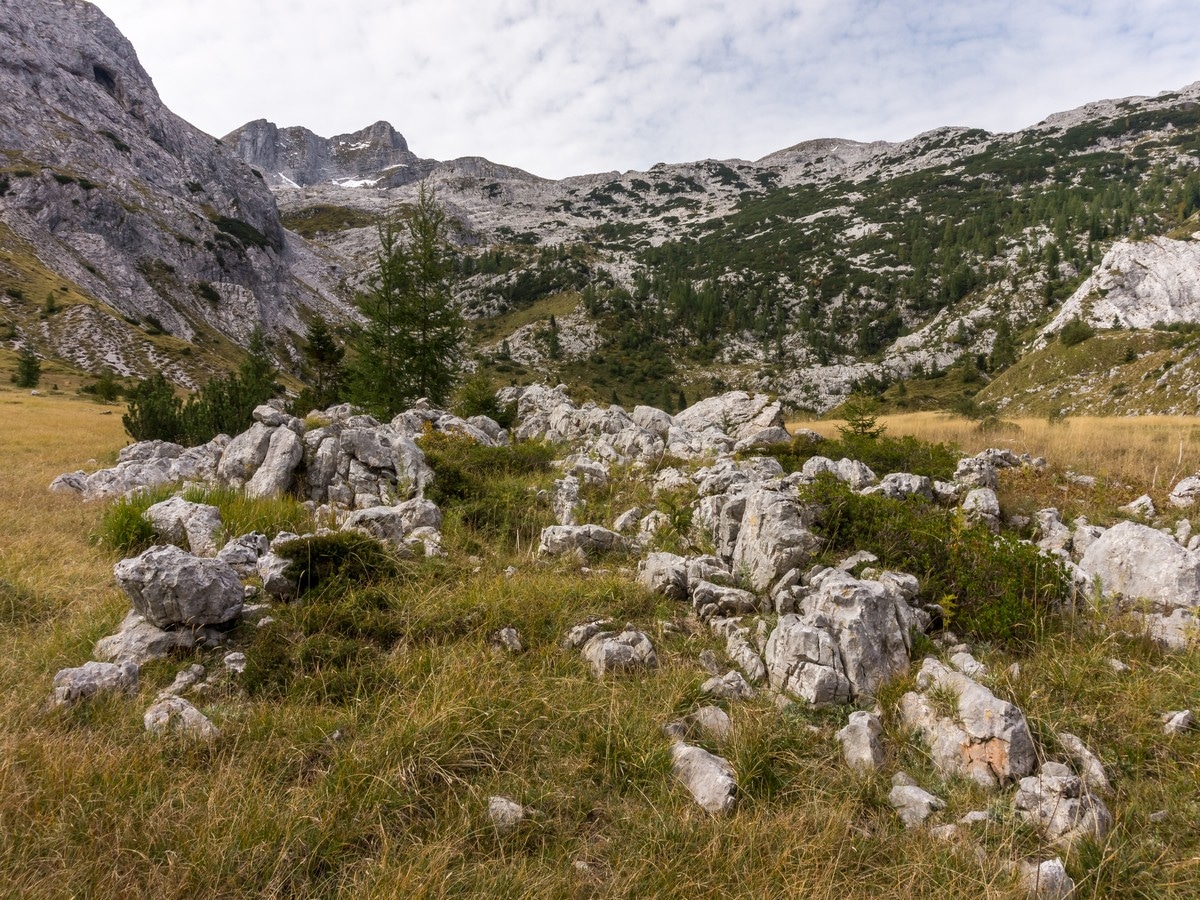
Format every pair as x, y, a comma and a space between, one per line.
130, 239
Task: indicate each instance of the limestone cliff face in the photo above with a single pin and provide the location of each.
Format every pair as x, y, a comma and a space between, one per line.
146, 227
1138, 284
296, 157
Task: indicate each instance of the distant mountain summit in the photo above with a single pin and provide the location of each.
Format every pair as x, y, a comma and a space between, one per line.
377, 155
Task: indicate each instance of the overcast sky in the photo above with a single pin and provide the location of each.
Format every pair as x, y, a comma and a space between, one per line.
567, 87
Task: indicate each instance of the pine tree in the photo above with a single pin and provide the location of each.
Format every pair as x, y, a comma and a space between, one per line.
411, 343
323, 358
29, 368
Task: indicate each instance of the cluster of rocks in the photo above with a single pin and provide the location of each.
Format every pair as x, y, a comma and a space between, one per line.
338, 458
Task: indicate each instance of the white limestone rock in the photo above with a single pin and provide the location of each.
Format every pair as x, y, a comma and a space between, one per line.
179, 522
860, 739
982, 737
174, 715
708, 777
170, 586
1057, 804
92, 679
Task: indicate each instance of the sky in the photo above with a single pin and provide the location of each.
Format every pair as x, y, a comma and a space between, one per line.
568, 87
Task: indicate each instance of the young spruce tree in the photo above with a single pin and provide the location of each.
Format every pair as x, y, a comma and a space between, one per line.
410, 346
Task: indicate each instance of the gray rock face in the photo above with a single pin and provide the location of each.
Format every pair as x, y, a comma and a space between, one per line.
982, 505
1158, 580
278, 468
737, 414
1056, 802
666, 574
174, 715
169, 586
92, 679
177, 521
580, 539
730, 686
78, 102
773, 538
900, 485
860, 739
138, 641
973, 472
709, 777
394, 524
149, 464
982, 737
245, 454
242, 553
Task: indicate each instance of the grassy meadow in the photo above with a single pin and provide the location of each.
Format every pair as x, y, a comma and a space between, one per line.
357, 754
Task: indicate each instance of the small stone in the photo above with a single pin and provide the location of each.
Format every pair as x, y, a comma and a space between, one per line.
174, 714
975, 817
506, 814
1046, 880
1177, 722
730, 686
1117, 666
1159, 817
861, 747
913, 804
507, 638
944, 832
184, 680
235, 662
709, 777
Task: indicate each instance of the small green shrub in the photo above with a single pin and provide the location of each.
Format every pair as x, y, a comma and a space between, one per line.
488, 489
346, 555
883, 454
1075, 332
208, 292
243, 232
477, 397
997, 587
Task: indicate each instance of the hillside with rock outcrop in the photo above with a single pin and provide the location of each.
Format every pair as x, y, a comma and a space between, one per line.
130, 240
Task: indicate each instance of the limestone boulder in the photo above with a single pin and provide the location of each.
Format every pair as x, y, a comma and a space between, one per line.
275, 474
139, 641
773, 538
862, 747
92, 679
979, 736
557, 540
175, 715
169, 586
196, 526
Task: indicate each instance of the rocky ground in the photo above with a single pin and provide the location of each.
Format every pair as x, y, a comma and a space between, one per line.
844, 636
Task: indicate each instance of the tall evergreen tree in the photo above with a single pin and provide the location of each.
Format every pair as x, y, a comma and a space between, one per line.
323, 358
410, 345
29, 368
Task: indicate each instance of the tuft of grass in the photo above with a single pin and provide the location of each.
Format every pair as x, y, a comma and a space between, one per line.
241, 514
124, 527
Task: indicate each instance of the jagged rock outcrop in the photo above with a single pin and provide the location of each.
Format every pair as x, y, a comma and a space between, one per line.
142, 218
980, 736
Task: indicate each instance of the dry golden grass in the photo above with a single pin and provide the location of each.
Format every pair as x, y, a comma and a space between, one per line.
1149, 452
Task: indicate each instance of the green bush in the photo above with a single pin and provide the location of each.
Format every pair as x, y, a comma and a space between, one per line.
242, 515
883, 454
1075, 332
123, 528
349, 556
994, 587
477, 397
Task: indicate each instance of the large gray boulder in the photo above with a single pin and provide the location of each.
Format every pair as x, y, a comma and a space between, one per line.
980, 737
772, 539
804, 660
178, 521
871, 623
1155, 579
275, 474
169, 586
245, 454
736, 414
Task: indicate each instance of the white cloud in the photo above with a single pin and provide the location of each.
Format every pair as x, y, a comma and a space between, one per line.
564, 88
